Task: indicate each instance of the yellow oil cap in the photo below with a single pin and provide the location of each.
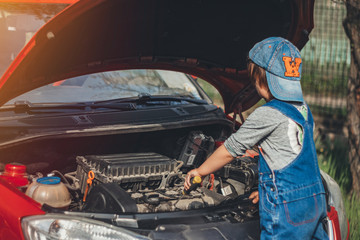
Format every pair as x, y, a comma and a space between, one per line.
196, 179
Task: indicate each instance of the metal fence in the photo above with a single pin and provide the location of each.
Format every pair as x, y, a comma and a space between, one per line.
326, 60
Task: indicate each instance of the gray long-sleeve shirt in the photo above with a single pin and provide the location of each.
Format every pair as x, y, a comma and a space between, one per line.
279, 137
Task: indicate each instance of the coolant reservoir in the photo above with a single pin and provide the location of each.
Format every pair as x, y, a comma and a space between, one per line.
49, 190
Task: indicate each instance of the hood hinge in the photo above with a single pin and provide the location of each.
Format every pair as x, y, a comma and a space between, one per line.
238, 111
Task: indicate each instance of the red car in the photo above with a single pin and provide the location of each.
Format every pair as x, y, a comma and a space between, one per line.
101, 118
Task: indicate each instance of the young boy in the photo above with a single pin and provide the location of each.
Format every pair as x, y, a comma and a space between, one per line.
291, 195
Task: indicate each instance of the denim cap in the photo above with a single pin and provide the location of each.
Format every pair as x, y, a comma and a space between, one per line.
282, 62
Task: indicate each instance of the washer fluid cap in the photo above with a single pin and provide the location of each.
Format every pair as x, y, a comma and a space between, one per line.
49, 180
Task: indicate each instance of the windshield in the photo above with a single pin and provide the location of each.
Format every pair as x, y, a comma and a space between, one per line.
18, 23
113, 85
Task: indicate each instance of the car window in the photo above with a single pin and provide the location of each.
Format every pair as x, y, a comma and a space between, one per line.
112, 85
18, 23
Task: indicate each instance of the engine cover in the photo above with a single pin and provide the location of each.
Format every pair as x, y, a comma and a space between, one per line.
130, 170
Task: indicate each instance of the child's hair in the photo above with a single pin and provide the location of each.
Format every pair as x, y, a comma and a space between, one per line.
257, 72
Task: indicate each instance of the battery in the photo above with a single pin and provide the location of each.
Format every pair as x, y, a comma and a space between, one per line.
196, 149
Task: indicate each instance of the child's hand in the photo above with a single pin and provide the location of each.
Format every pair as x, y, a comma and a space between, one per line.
190, 175
254, 196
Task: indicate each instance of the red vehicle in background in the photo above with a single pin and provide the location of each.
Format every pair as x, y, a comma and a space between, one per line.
101, 117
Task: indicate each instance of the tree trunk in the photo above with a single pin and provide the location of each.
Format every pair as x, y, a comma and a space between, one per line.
352, 29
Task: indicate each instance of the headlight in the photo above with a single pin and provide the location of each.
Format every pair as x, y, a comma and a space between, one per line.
55, 226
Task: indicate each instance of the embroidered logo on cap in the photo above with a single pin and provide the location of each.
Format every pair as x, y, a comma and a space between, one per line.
292, 67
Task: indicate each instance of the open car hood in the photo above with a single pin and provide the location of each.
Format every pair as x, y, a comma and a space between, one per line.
209, 39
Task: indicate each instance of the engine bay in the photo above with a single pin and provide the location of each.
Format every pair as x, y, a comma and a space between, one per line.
139, 181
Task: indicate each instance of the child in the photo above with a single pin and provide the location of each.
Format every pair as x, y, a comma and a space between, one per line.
292, 197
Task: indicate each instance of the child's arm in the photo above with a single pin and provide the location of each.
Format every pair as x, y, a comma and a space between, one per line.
217, 160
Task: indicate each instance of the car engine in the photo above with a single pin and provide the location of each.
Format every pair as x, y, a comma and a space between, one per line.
149, 182
141, 182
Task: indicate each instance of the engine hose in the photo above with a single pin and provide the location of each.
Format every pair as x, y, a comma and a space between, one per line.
67, 184
178, 166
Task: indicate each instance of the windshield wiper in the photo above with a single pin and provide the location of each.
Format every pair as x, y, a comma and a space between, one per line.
123, 104
147, 98
180, 98
28, 107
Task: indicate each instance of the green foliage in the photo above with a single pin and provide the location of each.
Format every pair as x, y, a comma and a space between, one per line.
318, 84
352, 207
212, 92
329, 112
333, 159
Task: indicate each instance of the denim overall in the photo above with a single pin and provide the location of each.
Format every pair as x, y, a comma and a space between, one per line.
292, 200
